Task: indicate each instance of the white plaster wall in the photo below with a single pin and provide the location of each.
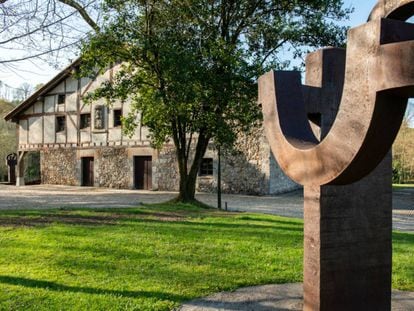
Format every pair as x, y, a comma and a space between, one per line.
38, 107
84, 108
61, 138
49, 129
90, 86
49, 103
85, 136
114, 134
35, 130
99, 138
71, 100
71, 127
71, 85
23, 132
60, 88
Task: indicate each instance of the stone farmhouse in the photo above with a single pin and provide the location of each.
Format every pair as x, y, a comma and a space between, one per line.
83, 145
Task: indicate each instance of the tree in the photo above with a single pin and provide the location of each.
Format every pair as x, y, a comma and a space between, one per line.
22, 92
8, 137
44, 29
403, 150
190, 66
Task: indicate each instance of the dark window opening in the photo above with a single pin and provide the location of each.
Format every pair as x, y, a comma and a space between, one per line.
206, 168
315, 118
117, 117
61, 99
87, 178
60, 124
85, 120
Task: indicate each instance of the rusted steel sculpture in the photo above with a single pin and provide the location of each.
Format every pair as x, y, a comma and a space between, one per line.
333, 135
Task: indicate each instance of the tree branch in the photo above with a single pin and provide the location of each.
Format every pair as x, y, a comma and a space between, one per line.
82, 12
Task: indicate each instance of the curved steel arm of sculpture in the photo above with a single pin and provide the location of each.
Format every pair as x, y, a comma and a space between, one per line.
394, 9
379, 78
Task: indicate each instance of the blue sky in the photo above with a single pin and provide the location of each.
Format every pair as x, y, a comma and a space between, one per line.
362, 10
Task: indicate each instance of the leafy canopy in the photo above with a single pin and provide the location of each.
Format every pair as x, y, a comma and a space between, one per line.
190, 66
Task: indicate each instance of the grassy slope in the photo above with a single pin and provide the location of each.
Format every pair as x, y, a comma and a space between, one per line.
402, 186
5, 107
8, 139
150, 259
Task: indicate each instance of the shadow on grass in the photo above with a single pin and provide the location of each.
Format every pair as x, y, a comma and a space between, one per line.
25, 282
154, 217
403, 238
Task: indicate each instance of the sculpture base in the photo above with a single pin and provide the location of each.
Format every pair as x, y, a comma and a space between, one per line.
348, 244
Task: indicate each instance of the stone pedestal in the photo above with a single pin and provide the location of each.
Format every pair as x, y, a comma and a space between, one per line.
20, 170
348, 253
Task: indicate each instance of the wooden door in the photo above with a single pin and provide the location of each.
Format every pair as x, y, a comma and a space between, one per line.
87, 172
143, 173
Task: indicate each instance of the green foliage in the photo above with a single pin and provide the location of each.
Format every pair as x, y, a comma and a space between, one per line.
190, 67
32, 167
8, 139
150, 258
403, 155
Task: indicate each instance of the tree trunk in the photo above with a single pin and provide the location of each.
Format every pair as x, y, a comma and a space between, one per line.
187, 188
188, 179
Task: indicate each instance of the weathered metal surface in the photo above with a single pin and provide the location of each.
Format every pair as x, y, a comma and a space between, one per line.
376, 75
359, 101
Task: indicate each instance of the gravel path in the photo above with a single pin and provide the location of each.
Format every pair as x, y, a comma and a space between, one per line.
272, 298
289, 205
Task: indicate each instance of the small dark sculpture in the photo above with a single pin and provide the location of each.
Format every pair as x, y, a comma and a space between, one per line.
361, 97
11, 162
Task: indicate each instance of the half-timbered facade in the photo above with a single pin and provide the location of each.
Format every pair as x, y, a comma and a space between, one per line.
83, 144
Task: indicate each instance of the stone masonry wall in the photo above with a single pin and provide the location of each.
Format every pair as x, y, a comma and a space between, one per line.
113, 169
59, 167
249, 168
166, 170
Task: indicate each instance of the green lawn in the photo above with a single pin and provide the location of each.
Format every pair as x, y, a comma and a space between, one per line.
150, 258
402, 186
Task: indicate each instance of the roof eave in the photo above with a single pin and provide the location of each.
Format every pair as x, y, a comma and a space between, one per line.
13, 115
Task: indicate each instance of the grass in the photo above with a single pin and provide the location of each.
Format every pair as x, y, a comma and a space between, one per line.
402, 186
151, 258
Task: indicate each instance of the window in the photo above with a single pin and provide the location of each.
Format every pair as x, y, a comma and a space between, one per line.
117, 117
61, 99
85, 120
60, 124
206, 168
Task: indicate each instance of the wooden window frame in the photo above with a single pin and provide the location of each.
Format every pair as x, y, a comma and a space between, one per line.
82, 124
61, 99
117, 115
59, 128
206, 167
